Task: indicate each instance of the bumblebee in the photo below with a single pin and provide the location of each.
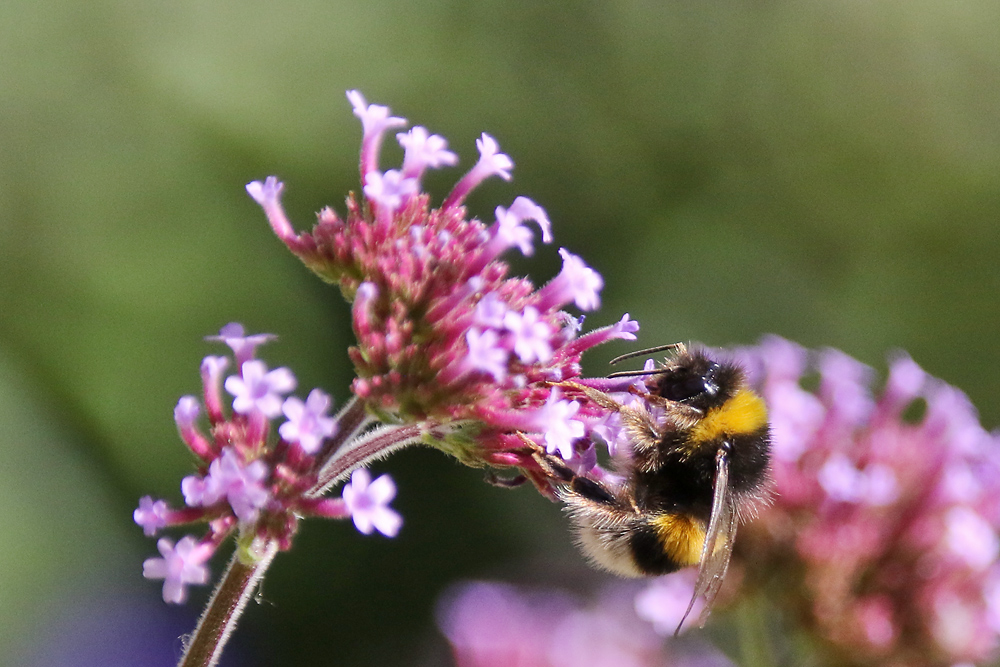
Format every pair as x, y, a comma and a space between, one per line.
695, 472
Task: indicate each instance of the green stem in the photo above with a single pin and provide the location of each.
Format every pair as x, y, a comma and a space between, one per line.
224, 609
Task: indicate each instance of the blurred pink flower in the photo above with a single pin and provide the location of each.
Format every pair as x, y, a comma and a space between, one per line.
884, 527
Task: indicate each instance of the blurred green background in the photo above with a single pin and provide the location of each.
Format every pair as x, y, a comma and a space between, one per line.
828, 171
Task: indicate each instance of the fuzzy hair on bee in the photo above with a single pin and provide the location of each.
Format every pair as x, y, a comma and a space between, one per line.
698, 467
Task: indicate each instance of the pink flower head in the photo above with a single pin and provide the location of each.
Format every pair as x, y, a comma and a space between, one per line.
885, 518
445, 335
308, 423
179, 566
492, 624
368, 503
258, 389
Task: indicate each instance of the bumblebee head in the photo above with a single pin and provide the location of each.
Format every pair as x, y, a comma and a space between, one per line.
694, 379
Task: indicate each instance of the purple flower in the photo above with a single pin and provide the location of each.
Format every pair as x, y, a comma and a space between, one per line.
308, 423
841, 480
510, 231
485, 353
424, 150
228, 477
845, 387
375, 122
244, 347
258, 389
390, 190
179, 566
491, 163
186, 412
212, 368
268, 195
151, 515
576, 283
891, 523
556, 421
368, 503
531, 336
490, 311
971, 538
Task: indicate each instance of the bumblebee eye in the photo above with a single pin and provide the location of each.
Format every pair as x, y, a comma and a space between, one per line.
681, 389
689, 385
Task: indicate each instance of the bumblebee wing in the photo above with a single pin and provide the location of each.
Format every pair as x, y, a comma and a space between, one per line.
718, 547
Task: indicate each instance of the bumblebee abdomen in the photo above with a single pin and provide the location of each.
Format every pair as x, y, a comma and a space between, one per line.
666, 543
636, 545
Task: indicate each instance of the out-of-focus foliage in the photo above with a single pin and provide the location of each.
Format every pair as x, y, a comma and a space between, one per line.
829, 171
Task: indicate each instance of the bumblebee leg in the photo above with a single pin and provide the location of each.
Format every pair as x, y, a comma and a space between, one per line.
592, 491
557, 470
504, 482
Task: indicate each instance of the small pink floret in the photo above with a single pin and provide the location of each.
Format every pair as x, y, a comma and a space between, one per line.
531, 336
259, 389
186, 412
555, 419
243, 346
179, 566
308, 423
151, 515
368, 503
486, 354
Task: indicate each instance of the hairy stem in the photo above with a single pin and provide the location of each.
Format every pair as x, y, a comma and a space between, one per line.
351, 419
376, 444
224, 609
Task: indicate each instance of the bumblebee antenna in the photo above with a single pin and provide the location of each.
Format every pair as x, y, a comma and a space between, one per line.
650, 350
625, 374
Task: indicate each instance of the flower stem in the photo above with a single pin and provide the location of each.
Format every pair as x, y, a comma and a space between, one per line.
226, 606
375, 444
350, 420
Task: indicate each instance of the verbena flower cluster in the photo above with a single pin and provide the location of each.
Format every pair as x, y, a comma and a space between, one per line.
451, 351
490, 624
249, 482
445, 335
885, 523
